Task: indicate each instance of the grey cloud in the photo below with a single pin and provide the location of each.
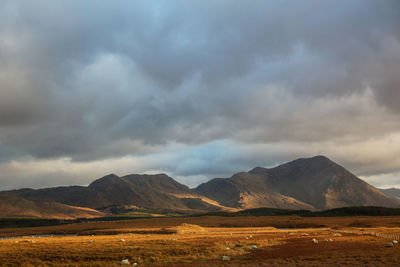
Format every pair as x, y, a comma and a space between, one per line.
92, 81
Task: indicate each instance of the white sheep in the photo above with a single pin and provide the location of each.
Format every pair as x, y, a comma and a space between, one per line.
125, 262
226, 258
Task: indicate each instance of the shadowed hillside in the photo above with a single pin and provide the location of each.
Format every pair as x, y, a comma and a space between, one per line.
12, 205
316, 182
157, 191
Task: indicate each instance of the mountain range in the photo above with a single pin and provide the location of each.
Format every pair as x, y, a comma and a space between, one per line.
393, 192
308, 184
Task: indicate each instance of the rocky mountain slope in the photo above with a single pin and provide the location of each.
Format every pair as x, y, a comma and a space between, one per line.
316, 182
245, 191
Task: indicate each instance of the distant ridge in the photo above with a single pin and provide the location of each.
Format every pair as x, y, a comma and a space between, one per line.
315, 183
393, 192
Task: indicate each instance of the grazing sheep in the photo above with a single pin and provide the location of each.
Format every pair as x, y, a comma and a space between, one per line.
125, 262
395, 242
122, 240
254, 246
226, 258
315, 241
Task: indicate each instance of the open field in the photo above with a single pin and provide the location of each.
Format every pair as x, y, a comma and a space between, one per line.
201, 241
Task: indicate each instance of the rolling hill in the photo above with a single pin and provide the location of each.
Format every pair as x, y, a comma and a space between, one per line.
11, 205
158, 191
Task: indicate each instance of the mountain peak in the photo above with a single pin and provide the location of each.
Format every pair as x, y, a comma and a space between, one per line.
319, 158
316, 160
146, 178
258, 170
160, 180
316, 163
110, 178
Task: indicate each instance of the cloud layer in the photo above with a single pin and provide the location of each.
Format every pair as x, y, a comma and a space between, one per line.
197, 91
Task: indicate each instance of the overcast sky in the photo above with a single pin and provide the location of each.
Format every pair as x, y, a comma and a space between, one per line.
196, 89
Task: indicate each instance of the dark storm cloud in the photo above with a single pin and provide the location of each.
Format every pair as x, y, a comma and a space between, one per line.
91, 81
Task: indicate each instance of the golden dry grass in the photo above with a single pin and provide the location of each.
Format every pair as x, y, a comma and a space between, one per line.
177, 243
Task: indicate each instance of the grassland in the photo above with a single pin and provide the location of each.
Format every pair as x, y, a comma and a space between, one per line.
202, 241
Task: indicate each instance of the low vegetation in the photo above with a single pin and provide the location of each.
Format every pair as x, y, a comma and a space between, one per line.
145, 213
207, 241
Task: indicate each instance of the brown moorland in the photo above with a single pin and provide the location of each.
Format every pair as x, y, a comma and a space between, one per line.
199, 241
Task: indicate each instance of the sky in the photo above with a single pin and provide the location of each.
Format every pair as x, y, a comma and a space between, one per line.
196, 89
